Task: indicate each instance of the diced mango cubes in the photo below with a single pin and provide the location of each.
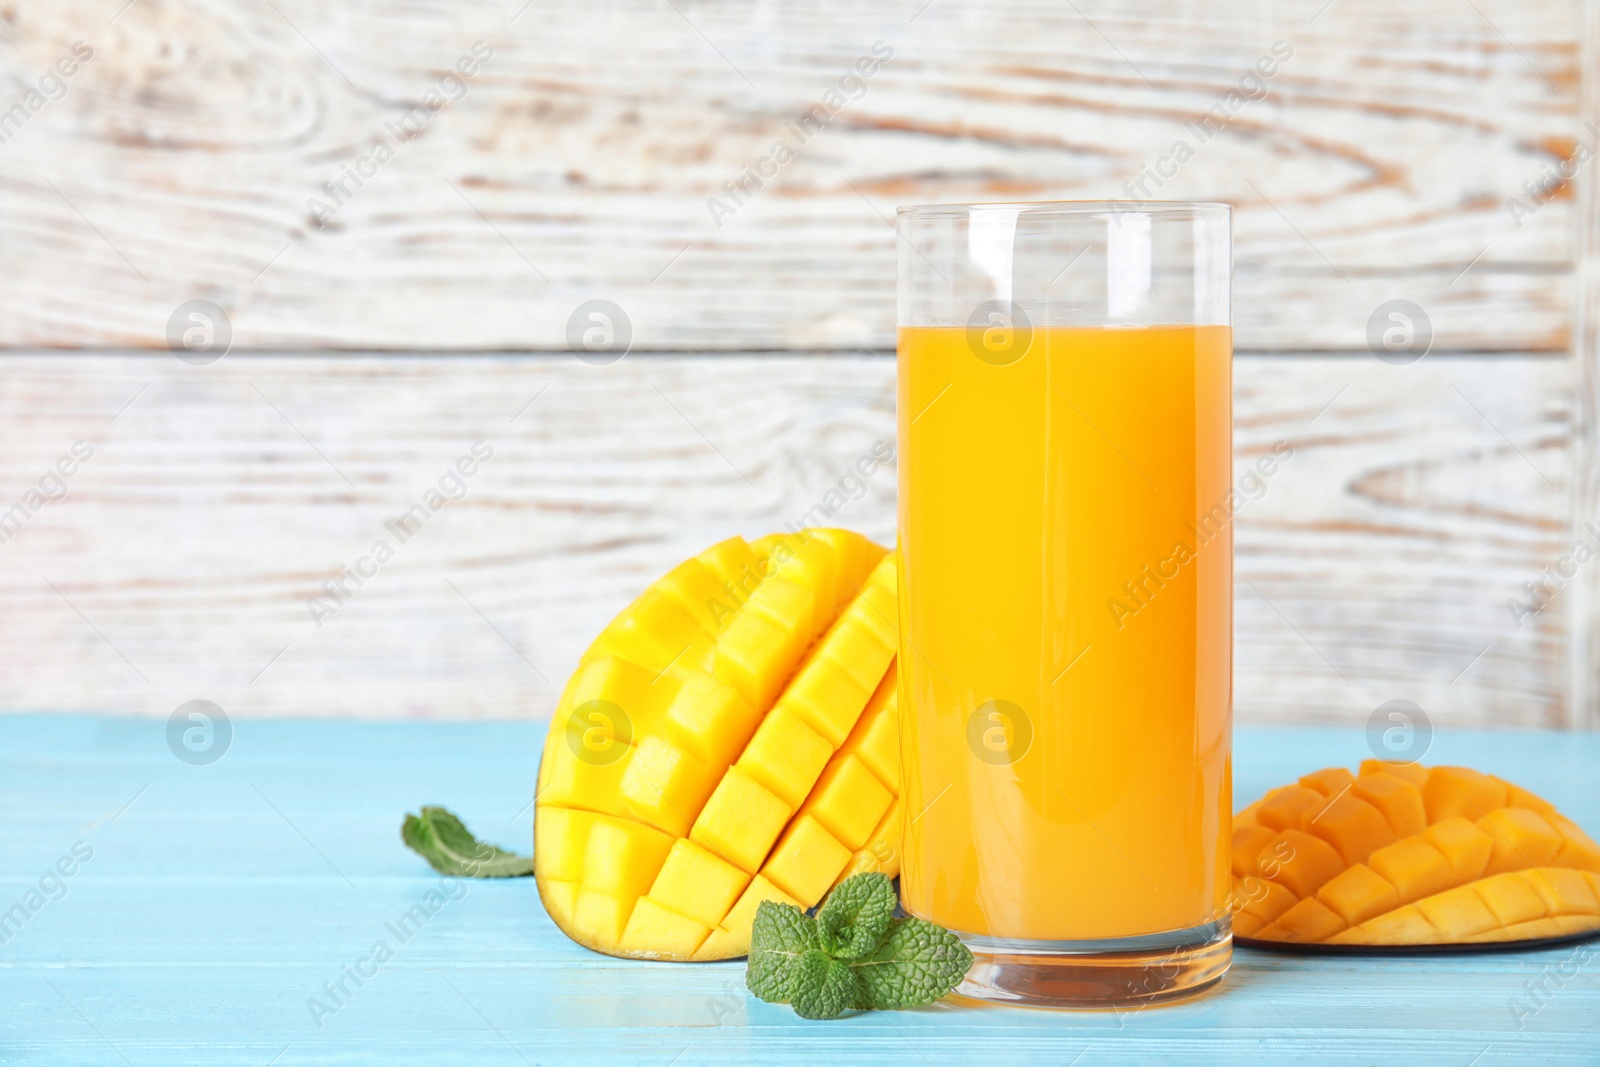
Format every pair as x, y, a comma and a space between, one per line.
731, 737
1406, 855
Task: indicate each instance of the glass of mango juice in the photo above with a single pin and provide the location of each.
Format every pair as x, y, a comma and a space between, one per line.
1066, 593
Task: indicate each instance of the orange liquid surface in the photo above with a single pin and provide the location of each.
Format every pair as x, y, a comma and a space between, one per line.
1066, 618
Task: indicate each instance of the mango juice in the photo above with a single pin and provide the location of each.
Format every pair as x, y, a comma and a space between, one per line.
1066, 592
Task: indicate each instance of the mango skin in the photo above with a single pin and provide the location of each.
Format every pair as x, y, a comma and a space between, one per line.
731, 737
1402, 855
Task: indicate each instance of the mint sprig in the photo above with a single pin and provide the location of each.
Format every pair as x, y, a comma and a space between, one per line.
853, 955
449, 847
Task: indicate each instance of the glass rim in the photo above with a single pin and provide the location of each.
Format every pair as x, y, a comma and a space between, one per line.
1072, 207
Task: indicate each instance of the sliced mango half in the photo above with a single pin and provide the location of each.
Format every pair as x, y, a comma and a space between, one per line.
1407, 855
731, 737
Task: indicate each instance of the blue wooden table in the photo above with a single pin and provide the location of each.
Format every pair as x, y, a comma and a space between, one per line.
208, 906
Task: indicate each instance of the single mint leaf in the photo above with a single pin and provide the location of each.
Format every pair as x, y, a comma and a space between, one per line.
826, 988
449, 847
918, 963
780, 936
855, 917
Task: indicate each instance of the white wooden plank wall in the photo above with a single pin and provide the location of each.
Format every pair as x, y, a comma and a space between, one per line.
179, 162
580, 158
1375, 565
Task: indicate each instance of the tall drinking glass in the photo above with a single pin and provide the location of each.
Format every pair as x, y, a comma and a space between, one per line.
1066, 592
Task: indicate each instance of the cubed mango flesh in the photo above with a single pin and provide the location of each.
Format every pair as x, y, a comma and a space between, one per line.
731, 737
1407, 855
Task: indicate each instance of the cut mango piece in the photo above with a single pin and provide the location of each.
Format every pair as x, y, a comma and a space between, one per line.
1564, 891
1414, 773
741, 820
1352, 826
1287, 808
657, 931
1358, 894
806, 861
1248, 843
1519, 838
1402, 926
1463, 845
881, 853
602, 916
709, 719
1414, 867
786, 756
732, 938
665, 787
1462, 792
730, 737
1578, 849
1311, 862
1268, 901
697, 884
1330, 781
1408, 855
1511, 898
848, 801
563, 835
1309, 920
876, 739
623, 857
560, 899
1458, 913
1396, 799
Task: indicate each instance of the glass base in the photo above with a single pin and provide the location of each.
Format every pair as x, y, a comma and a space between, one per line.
1110, 973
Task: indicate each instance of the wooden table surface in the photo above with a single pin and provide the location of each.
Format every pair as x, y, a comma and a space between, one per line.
217, 900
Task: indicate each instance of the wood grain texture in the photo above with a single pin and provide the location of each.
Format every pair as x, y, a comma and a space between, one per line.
221, 899
181, 162
1583, 594
1374, 565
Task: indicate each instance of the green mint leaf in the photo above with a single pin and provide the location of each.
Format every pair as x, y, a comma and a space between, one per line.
855, 917
449, 847
826, 988
818, 967
780, 938
918, 963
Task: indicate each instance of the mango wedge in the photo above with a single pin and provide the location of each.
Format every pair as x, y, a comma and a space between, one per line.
731, 737
1406, 855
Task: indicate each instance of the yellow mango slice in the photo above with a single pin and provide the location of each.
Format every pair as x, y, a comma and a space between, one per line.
1352, 826
1309, 920
1463, 792
848, 801
1358, 894
741, 820
697, 884
732, 937
1407, 772
1286, 808
1248, 843
1312, 861
730, 737
654, 931
1414, 867
1330, 781
1271, 901
786, 756
1578, 849
1399, 801
806, 861
1519, 838
1457, 913
1407, 855
881, 853
1512, 899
